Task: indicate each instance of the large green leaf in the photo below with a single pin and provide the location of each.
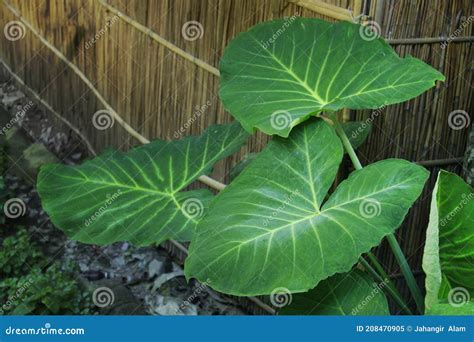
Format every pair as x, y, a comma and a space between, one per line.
448, 258
269, 229
281, 72
136, 196
447, 309
352, 294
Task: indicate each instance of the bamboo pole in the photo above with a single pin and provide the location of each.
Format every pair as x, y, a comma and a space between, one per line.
440, 162
323, 8
81, 75
161, 40
379, 11
429, 40
204, 179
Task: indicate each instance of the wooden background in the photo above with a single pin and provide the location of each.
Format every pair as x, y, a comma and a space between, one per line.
156, 91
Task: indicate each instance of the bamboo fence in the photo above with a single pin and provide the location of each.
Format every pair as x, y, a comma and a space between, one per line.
132, 59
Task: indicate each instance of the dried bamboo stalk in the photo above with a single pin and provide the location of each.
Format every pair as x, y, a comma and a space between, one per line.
161, 40
440, 162
429, 40
204, 179
324, 8
79, 73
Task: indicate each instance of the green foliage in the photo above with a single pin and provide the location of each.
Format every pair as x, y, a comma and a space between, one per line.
136, 196
29, 286
311, 67
272, 228
48, 292
3, 196
276, 225
17, 256
449, 248
348, 294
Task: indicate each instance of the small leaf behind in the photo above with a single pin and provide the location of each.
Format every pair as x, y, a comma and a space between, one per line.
348, 294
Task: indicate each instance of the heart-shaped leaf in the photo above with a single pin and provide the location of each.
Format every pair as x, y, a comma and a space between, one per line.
448, 258
348, 294
269, 228
136, 196
281, 72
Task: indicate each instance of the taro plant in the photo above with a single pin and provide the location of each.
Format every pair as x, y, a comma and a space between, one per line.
278, 226
448, 257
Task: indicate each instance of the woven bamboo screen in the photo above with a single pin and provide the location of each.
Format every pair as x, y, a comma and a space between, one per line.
132, 58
